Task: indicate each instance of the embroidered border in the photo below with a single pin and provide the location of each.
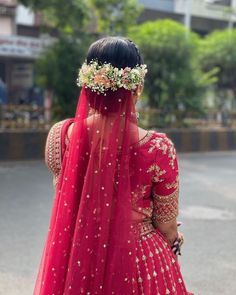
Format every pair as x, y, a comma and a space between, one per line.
53, 150
165, 208
173, 184
144, 140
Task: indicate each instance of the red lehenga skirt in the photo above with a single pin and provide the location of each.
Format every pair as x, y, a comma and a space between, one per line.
158, 270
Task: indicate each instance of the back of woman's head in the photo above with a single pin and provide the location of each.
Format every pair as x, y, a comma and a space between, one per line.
118, 51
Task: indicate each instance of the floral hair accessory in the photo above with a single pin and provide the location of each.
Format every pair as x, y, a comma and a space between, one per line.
100, 78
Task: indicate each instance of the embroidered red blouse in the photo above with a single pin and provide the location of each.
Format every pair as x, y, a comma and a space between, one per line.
156, 197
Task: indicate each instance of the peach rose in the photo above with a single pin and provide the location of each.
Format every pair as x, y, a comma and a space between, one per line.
101, 79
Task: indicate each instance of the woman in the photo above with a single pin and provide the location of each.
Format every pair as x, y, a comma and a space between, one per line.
113, 226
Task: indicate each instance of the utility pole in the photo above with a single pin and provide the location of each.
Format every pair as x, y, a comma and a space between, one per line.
188, 14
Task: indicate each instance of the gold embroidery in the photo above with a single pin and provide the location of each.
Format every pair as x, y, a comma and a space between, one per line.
173, 184
172, 155
144, 227
158, 143
165, 207
53, 150
146, 138
158, 172
166, 146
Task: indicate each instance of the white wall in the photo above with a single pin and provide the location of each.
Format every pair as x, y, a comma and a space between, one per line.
164, 5
201, 8
8, 2
24, 16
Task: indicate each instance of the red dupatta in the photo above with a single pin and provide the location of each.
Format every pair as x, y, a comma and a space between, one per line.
90, 246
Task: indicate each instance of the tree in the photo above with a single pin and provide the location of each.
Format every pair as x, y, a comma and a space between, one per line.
114, 17
57, 70
175, 83
218, 51
66, 16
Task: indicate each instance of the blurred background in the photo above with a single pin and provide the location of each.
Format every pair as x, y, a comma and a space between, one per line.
189, 47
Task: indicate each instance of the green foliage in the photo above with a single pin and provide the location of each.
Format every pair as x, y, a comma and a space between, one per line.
112, 16
116, 16
67, 16
218, 51
57, 70
175, 83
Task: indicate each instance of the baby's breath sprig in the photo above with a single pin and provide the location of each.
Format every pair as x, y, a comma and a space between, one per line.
100, 78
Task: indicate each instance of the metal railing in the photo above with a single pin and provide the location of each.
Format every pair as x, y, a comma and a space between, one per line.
154, 118
22, 117
33, 117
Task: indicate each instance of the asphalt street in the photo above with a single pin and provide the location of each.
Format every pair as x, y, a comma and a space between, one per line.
207, 210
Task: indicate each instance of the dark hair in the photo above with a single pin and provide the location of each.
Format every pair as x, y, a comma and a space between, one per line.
118, 51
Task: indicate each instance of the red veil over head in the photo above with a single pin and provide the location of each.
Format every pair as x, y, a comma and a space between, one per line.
90, 247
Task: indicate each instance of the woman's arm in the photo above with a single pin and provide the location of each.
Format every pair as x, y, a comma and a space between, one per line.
53, 150
165, 191
165, 212
55, 147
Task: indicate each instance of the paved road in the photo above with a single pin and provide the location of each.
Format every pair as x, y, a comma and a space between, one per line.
208, 212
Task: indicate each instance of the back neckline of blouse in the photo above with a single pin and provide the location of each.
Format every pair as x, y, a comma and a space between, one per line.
145, 139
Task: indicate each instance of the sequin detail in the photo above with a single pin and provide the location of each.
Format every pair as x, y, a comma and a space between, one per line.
156, 271
156, 200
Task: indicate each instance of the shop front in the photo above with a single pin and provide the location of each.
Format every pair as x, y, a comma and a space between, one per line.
17, 59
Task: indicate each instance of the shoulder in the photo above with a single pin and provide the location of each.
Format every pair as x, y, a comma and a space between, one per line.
59, 130
55, 147
54, 133
55, 130
54, 144
69, 130
161, 142
163, 149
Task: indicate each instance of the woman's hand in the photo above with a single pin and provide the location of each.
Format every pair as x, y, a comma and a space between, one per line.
174, 237
169, 230
176, 247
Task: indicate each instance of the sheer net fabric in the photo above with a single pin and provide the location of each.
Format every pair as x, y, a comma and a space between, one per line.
90, 247
111, 192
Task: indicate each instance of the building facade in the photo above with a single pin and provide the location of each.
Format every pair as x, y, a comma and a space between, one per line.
21, 42
203, 16
20, 45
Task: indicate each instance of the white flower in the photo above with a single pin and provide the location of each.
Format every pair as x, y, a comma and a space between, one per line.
100, 78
